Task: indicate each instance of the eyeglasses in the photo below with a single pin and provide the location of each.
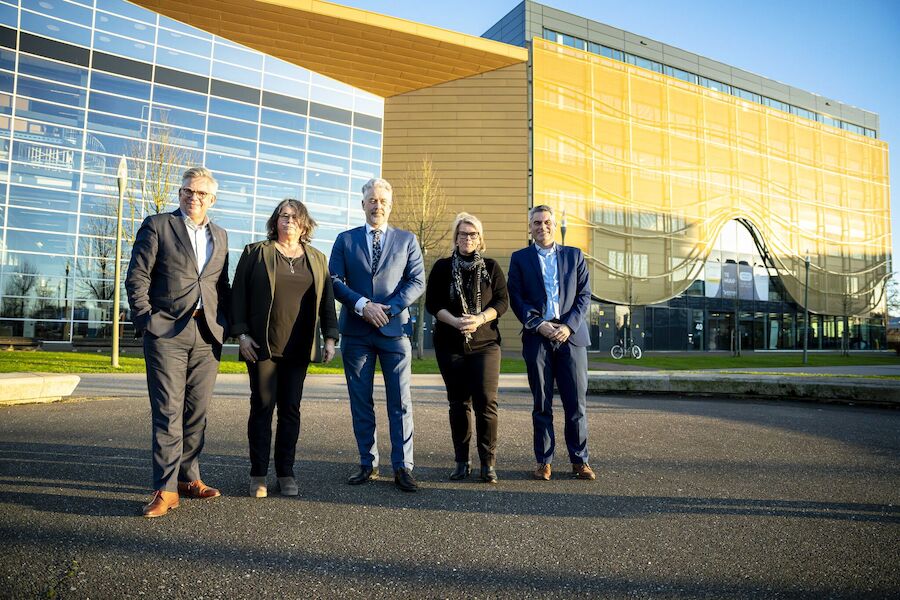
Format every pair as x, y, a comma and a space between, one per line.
287, 217
469, 235
201, 196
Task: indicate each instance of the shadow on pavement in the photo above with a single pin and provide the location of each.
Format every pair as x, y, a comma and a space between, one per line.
112, 482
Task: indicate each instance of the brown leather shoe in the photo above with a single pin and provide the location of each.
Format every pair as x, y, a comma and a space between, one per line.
542, 472
161, 503
197, 489
582, 471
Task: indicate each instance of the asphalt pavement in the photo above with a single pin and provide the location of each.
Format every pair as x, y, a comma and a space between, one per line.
695, 498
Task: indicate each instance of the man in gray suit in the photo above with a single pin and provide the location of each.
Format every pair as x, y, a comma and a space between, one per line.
378, 272
179, 295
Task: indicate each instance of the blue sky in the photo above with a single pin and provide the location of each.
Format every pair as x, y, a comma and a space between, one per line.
848, 51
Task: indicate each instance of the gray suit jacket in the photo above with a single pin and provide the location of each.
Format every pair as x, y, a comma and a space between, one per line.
163, 282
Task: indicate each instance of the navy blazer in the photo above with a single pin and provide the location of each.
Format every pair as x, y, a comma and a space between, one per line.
163, 282
528, 298
398, 281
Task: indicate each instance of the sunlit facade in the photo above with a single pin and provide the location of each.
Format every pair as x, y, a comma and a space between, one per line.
83, 84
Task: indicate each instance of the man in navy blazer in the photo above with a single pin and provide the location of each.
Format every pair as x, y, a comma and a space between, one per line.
378, 272
550, 293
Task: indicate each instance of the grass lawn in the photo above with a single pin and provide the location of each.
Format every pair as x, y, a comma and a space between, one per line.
99, 362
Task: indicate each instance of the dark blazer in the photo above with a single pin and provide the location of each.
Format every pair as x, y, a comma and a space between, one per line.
253, 294
528, 297
398, 281
164, 285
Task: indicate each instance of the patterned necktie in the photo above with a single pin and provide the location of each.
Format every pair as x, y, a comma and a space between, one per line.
376, 249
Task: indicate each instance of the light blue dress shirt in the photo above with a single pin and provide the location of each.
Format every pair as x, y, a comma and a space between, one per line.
550, 272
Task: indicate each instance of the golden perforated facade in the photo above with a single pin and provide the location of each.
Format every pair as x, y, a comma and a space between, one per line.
649, 169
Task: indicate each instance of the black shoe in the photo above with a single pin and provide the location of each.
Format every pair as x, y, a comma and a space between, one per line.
405, 480
363, 475
488, 474
462, 470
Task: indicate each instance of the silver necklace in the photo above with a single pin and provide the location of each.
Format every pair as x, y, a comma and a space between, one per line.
290, 259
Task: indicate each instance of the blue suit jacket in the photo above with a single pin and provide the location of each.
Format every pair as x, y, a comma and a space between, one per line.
398, 281
528, 298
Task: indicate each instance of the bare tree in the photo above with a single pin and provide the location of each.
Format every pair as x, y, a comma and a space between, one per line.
422, 209
892, 292
19, 285
154, 173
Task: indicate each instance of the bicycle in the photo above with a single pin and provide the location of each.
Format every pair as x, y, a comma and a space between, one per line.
621, 350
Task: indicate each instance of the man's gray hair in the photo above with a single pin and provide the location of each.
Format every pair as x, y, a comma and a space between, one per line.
540, 208
195, 172
368, 187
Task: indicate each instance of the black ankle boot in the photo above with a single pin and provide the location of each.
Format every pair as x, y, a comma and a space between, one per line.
488, 474
462, 470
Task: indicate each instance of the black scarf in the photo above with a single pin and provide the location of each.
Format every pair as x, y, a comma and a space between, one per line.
469, 296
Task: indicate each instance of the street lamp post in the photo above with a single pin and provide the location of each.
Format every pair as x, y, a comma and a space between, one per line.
806, 310
563, 225
122, 180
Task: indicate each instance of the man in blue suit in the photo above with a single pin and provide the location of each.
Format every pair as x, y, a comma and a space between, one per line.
378, 272
550, 293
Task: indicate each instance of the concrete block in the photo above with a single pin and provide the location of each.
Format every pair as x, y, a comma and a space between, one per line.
760, 386
27, 388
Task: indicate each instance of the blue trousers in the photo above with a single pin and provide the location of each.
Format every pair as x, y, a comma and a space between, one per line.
565, 365
395, 355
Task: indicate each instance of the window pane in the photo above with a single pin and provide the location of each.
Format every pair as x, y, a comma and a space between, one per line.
167, 95
231, 127
54, 29
61, 10
135, 109
291, 156
282, 137
283, 119
36, 197
120, 85
182, 61
31, 65
133, 29
327, 146
180, 41
238, 110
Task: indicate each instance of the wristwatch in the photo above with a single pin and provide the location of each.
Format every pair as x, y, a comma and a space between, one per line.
242, 337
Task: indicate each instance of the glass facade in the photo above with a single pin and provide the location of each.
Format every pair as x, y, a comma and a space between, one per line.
85, 83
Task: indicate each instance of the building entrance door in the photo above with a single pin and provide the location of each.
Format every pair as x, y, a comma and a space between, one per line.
721, 326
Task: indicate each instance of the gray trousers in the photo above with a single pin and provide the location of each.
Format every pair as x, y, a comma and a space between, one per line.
181, 375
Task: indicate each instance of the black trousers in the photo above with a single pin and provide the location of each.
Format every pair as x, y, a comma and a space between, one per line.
471, 379
274, 382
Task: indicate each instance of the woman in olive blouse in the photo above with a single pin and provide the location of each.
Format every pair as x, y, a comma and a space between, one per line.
467, 294
282, 300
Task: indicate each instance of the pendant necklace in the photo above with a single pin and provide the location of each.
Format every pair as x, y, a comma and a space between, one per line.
288, 258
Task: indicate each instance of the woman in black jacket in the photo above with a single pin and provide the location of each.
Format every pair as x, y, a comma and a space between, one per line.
282, 300
467, 294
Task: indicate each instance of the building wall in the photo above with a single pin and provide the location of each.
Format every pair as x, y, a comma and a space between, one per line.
650, 168
475, 131
80, 87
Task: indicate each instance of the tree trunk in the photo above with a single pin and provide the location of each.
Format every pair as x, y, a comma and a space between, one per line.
420, 327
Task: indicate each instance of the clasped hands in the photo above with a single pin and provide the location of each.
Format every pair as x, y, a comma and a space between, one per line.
247, 347
376, 314
469, 323
555, 332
